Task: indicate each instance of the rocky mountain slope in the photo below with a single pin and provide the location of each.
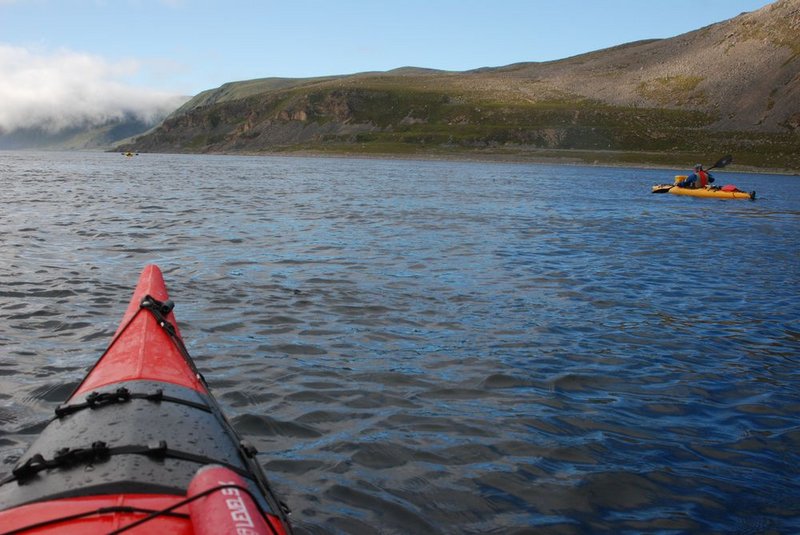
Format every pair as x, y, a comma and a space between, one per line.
746, 70
729, 87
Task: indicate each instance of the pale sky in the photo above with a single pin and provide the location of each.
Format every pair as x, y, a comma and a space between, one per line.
91, 53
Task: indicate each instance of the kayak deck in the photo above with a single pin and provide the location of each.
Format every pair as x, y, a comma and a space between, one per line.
132, 439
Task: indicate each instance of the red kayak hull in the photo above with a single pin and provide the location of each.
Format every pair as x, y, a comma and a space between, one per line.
48, 517
133, 439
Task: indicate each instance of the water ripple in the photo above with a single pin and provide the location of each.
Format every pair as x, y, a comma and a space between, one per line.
436, 347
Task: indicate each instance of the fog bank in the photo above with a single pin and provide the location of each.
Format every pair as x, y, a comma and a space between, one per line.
57, 90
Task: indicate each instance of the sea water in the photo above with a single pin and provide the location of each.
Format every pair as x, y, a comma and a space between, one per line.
435, 346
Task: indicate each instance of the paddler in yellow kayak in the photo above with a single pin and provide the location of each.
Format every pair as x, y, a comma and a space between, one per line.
700, 178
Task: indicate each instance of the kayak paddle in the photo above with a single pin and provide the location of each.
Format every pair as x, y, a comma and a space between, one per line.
722, 162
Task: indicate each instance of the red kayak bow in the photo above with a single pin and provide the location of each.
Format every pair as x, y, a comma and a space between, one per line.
141, 446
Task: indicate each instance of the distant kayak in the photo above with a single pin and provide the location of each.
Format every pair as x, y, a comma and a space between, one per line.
141, 445
711, 192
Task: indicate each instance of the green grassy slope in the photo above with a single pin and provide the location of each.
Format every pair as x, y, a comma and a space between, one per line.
413, 116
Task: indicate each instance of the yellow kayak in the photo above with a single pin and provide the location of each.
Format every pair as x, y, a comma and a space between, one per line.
711, 192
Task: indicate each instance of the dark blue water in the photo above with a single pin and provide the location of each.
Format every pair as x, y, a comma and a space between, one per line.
436, 347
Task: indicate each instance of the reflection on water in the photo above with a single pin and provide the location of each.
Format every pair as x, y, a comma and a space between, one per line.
436, 347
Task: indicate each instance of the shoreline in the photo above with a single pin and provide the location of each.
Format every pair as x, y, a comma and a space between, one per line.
518, 158
564, 157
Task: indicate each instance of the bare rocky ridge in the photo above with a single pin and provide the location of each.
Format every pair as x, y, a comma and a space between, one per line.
729, 87
746, 69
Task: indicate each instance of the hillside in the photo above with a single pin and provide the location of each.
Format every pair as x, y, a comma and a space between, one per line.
729, 87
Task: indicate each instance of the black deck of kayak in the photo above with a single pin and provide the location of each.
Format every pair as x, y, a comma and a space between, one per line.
133, 437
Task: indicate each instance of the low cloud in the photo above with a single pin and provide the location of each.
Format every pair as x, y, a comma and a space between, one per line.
57, 90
